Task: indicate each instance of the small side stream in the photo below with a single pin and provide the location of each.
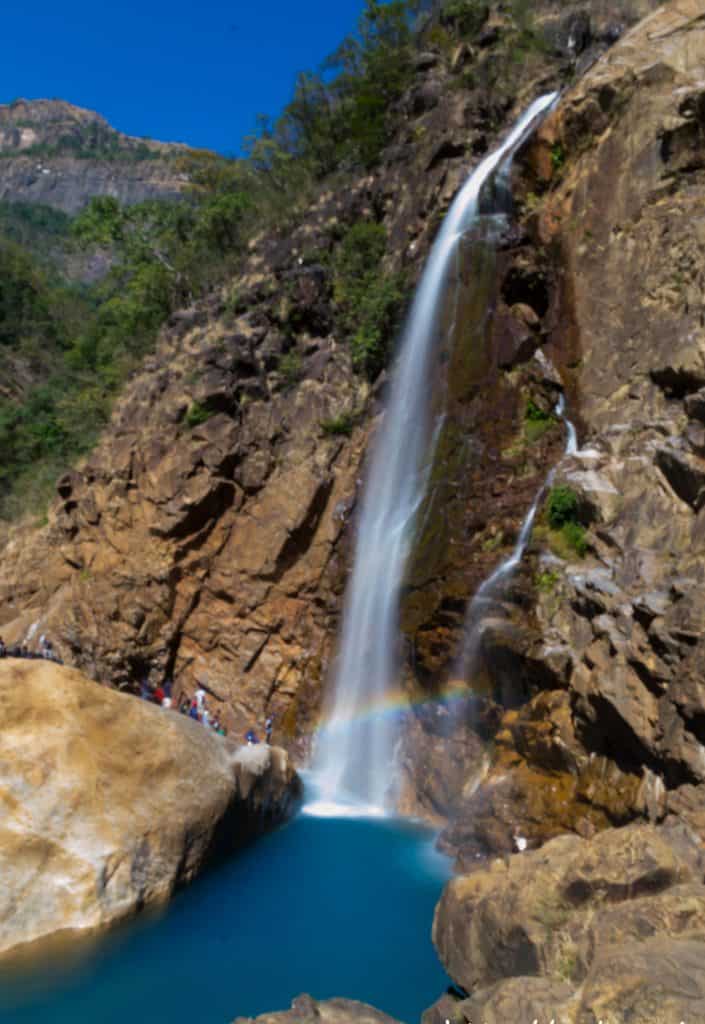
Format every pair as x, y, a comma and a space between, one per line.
329, 906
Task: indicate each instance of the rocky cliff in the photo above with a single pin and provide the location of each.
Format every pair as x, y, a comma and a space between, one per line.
59, 155
207, 534
604, 651
109, 803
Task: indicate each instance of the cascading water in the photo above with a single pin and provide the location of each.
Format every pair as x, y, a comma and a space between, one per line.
354, 750
491, 589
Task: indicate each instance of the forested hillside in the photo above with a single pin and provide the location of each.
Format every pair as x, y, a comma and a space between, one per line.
82, 296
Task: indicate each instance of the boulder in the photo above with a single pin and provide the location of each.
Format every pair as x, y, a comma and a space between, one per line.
306, 1010
614, 926
109, 802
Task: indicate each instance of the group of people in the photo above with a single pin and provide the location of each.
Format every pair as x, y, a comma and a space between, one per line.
45, 651
195, 707
252, 737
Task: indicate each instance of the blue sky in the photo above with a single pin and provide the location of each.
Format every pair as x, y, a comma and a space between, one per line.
196, 72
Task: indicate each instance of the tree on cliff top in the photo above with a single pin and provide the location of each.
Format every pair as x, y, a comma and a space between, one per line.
339, 115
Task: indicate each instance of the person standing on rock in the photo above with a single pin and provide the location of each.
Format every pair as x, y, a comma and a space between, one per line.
200, 698
268, 726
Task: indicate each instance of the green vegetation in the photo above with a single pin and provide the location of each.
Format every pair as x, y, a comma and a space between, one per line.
197, 413
26, 223
80, 343
66, 350
546, 581
494, 541
568, 963
562, 509
466, 16
340, 114
368, 300
536, 421
90, 141
562, 506
557, 157
575, 537
343, 424
291, 368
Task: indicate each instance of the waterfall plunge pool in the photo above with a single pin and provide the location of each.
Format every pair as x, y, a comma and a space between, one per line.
332, 906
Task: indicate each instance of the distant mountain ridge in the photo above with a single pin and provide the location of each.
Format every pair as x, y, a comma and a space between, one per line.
61, 155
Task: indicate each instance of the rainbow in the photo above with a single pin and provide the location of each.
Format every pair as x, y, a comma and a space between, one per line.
397, 703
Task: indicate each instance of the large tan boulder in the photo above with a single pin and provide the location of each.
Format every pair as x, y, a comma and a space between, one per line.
611, 927
107, 803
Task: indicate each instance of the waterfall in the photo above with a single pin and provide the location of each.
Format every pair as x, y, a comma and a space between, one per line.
490, 590
354, 750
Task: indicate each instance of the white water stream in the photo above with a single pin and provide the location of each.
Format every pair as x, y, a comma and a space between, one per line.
354, 752
491, 589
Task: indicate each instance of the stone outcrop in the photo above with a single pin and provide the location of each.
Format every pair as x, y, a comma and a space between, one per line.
109, 803
612, 928
54, 153
306, 1010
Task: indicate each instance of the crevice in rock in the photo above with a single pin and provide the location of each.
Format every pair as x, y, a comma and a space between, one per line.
300, 539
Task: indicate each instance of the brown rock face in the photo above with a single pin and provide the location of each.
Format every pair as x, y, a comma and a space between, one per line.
601, 656
205, 536
109, 803
611, 928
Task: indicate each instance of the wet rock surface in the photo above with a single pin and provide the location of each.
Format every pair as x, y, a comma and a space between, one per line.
110, 803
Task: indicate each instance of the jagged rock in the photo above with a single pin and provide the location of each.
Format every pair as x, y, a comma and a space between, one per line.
685, 474
110, 802
695, 405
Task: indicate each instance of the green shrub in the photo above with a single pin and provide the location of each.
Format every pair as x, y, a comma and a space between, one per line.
536, 421
575, 537
557, 157
368, 300
562, 506
197, 413
569, 535
535, 413
546, 581
466, 16
341, 424
291, 368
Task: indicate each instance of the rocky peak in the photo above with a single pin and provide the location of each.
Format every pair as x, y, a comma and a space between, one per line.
55, 153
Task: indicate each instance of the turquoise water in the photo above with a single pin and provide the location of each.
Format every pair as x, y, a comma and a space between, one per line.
329, 906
